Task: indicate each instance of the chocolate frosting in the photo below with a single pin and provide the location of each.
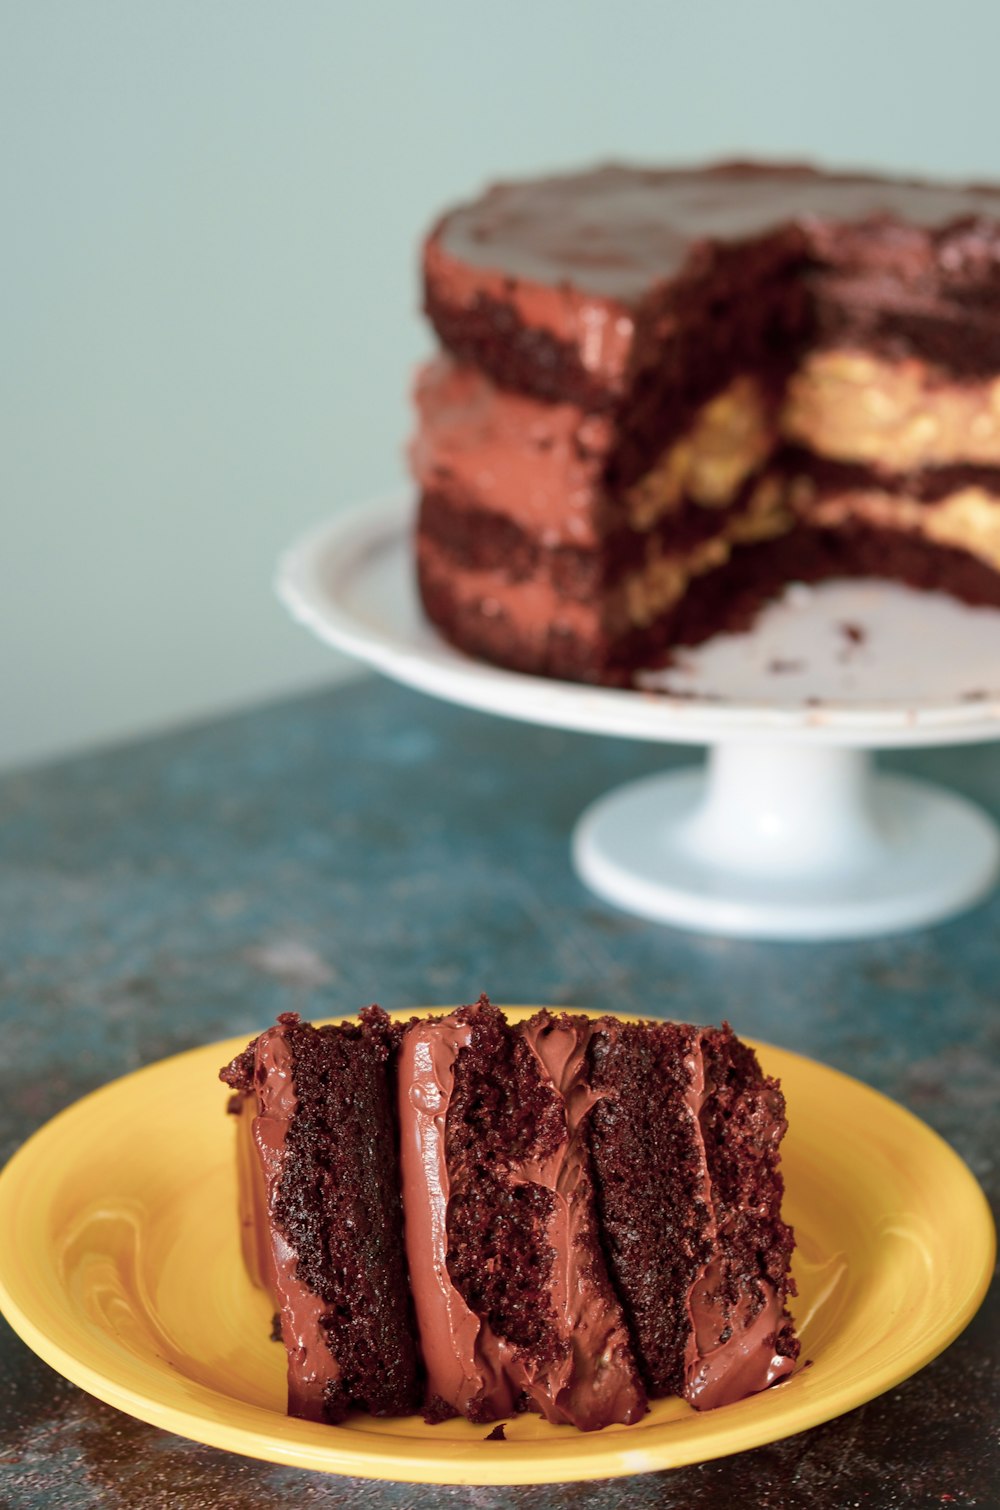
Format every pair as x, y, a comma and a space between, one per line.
586, 267
614, 231
470, 1367
731, 1350
311, 1365
595, 1382
254, 1224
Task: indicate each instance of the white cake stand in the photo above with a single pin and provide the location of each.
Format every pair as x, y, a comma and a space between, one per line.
788, 831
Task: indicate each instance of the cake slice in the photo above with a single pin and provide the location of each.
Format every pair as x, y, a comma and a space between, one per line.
513, 1300
567, 1215
684, 1137
322, 1217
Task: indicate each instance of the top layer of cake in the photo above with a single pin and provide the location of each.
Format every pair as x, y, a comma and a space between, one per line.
585, 264
615, 231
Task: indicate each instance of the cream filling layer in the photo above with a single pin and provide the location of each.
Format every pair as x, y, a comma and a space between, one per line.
896, 416
967, 520
731, 437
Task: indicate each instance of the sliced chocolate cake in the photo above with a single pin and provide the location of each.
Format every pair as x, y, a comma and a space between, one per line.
663, 394
591, 1213
321, 1212
513, 1299
684, 1138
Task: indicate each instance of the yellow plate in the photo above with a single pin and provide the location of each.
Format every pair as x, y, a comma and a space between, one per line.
125, 1275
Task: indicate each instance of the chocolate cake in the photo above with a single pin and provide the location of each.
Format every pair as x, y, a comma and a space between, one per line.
320, 1209
589, 1210
664, 394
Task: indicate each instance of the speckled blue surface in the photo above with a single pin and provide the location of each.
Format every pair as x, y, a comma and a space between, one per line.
369, 843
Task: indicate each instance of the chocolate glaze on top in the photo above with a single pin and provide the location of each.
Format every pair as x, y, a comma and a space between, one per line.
616, 230
654, 286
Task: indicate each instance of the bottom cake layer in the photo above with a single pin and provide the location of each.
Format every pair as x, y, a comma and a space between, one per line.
571, 641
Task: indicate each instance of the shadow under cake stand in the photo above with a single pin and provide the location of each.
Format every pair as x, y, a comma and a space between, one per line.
787, 831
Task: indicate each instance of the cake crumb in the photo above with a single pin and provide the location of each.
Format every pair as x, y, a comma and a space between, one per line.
778, 667
497, 1434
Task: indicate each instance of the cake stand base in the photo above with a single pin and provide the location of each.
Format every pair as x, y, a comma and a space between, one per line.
787, 842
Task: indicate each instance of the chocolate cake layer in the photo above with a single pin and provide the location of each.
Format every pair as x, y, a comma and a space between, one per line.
481, 541
324, 1134
567, 287
545, 466
928, 485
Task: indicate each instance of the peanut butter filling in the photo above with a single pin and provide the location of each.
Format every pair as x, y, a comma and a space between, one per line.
897, 416
731, 437
844, 405
968, 519
664, 579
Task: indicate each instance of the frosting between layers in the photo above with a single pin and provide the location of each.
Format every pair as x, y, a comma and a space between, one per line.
539, 608
540, 464
593, 1382
898, 416
311, 1364
730, 437
467, 1365
730, 1352
967, 520
536, 463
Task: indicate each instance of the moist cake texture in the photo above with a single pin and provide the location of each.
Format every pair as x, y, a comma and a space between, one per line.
566, 1215
663, 394
321, 1212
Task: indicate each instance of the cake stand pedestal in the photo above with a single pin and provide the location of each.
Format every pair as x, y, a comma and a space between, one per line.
784, 841
788, 831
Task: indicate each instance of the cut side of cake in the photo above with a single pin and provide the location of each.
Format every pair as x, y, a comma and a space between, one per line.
512, 1295
685, 1142
320, 1212
664, 394
567, 1215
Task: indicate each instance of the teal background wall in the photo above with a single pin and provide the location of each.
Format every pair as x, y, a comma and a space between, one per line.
208, 304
